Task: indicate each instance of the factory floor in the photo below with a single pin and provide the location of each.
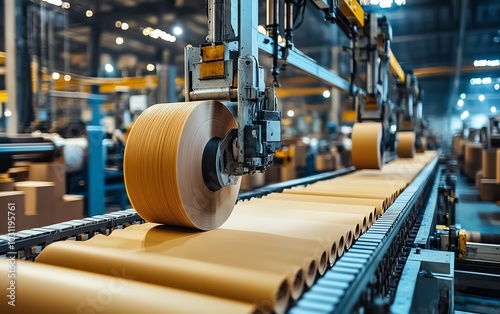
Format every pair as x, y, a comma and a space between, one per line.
473, 214
476, 215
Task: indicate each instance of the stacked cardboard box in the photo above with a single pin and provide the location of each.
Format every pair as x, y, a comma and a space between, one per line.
473, 158
39, 196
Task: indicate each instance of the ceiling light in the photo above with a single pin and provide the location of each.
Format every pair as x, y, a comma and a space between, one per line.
125, 26
326, 93
67, 77
89, 13
56, 76
119, 40
493, 109
463, 95
496, 86
486, 81
290, 113
385, 4
118, 24
487, 63
460, 102
7, 113
54, 2
146, 31
150, 67
66, 5
464, 115
475, 81
481, 97
177, 31
108, 67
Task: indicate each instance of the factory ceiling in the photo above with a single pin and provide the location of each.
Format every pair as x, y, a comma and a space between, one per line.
427, 39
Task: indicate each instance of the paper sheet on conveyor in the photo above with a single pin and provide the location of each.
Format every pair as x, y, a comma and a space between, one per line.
259, 260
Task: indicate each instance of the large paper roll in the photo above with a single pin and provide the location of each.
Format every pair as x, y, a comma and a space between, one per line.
366, 145
41, 288
406, 144
265, 289
163, 165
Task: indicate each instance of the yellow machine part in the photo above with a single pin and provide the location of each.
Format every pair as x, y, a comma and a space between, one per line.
462, 243
395, 67
353, 11
213, 64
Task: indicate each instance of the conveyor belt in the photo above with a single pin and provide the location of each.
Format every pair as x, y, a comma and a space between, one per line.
368, 258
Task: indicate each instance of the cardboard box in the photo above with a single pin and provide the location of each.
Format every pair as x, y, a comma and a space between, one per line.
50, 172
489, 163
18, 173
6, 185
39, 196
479, 176
12, 202
473, 158
69, 208
489, 190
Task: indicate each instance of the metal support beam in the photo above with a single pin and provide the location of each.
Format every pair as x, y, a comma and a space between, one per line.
459, 53
11, 52
303, 63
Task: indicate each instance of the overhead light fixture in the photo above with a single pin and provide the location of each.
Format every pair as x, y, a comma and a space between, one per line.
177, 30
460, 102
493, 109
108, 67
56, 75
67, 77
486, 81
119, 40
158, 33
7, 113
66, 5
89, 13
463, 95
383, 3
57, 3
290, 113
464, 115
496, 86
150, 67
483, 81
327, 93
118, 24
124, 26
481, 97
487, 63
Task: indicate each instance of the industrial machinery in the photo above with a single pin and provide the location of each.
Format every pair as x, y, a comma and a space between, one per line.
392, 255
370, 36
226, 68
409, 111
491, 136
24, 148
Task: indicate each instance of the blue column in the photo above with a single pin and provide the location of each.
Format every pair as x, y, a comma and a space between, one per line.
96, 161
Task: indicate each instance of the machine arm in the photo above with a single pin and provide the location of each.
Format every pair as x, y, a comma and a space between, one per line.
225, 67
